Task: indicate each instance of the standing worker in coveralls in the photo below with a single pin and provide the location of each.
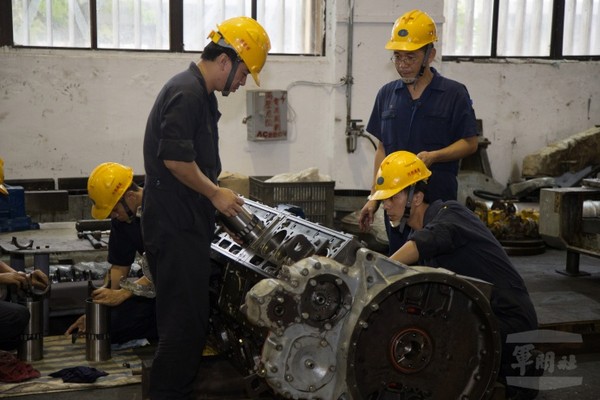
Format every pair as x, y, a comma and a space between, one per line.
181, 196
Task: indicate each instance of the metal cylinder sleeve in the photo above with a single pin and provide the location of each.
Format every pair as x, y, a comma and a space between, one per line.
245, 224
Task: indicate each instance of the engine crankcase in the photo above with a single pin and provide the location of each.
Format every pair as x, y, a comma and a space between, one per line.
376, 329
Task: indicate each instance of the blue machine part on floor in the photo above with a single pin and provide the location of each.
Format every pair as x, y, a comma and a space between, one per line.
12, 211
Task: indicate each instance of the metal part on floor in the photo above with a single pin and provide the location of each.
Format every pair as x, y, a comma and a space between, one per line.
570, 220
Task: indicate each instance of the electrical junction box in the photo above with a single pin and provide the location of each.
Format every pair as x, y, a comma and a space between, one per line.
267, 115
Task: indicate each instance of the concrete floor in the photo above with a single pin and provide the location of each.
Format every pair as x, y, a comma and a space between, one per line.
562, 302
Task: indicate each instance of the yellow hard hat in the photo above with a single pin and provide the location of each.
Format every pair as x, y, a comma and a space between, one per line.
398, 171
248, 38
106, 184
3, 189
412, 31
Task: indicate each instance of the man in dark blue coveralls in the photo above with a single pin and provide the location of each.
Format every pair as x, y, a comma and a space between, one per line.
181, 196
449, 235
422, 112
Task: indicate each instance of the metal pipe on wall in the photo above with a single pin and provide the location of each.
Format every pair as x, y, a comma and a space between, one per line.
353, 129
349, 77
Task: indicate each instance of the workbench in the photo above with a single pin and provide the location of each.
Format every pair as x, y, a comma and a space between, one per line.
53, 243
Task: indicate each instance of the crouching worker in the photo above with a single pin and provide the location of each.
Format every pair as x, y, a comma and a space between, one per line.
449, 235
115, 195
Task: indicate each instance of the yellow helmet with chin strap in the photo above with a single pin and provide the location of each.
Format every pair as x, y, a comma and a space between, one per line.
248, 38
106, 185
412, 31
3, 189
398, 171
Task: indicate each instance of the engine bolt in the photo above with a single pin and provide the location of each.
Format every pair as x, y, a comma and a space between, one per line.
289, 378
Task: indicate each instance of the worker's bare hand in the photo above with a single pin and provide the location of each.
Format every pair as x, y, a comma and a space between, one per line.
17, 278
367, 215
39, 279
427, 157
78, 326
227, 202
110, 297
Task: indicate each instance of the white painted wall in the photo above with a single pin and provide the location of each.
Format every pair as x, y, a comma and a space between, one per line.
63, 112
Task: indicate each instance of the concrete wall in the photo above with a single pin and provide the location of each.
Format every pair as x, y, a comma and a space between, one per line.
63, 112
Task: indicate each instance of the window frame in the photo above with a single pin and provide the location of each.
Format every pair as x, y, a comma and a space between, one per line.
176, 32
556, 39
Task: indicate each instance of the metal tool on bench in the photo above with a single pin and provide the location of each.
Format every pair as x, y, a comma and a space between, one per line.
93, 230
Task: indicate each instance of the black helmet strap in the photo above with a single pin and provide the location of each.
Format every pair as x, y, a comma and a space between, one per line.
404, 219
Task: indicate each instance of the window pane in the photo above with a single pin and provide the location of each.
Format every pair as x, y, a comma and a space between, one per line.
200, 17
133, 24
524, 28
294, 26
582, 28
468, 27
52, 23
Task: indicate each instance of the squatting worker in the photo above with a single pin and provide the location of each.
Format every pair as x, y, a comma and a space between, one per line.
449, 235
114, 194
422, 112
181, 195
